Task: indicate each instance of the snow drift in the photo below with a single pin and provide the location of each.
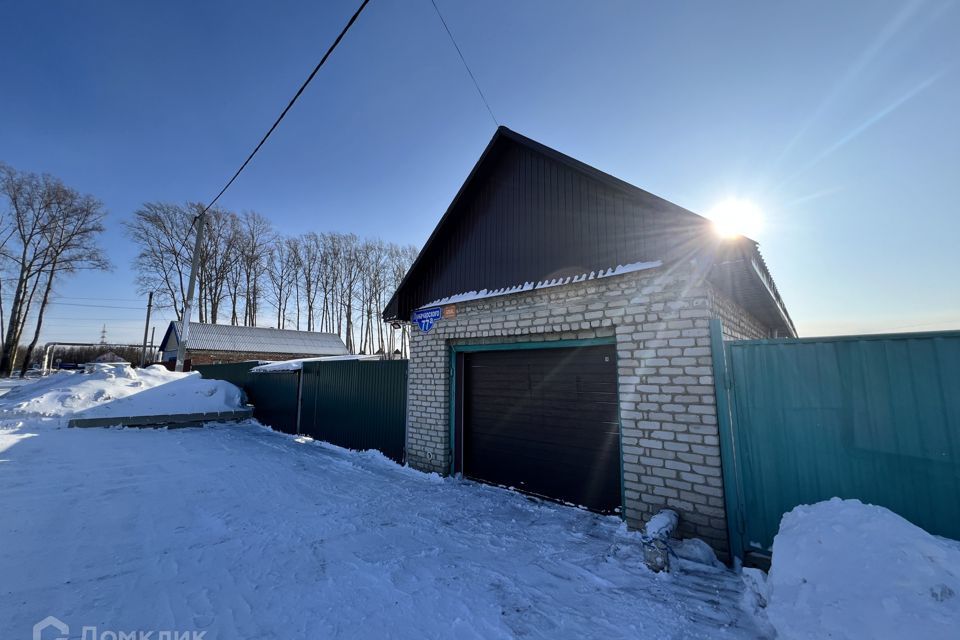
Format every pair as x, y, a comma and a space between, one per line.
120, 391
843, 569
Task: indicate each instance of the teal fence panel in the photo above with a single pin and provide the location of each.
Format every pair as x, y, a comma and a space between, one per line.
357, 405
875, 418
274, 395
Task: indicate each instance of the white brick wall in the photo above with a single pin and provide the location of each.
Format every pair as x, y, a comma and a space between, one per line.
660, 320
737, 323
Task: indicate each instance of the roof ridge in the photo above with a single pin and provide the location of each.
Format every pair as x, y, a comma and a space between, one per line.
207, 336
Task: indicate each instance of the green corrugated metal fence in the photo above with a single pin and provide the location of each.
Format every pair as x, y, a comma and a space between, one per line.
234, 372
357, 405
274, 395
870, 417
352, 404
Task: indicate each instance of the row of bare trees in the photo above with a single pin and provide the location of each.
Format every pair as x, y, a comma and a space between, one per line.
47, 230
252, 276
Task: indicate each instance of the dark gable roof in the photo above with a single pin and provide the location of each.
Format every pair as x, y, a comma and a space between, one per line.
528, 213
225, 337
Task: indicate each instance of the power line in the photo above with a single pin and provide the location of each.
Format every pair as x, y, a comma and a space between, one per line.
96, 321
465, 65
288, 107
94, 306
59, 297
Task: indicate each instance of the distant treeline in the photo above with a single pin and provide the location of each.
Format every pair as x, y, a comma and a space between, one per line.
82, 355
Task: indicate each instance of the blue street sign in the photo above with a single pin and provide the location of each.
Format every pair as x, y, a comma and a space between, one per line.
426, 318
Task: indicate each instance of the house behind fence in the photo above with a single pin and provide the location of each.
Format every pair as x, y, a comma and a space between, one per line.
218, 343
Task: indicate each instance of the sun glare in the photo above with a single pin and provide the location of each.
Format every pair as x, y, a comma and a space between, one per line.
736, 217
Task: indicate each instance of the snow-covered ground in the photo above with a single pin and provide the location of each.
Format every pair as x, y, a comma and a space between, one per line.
236, 531
243, 532
847, 570
8, 384
119, 391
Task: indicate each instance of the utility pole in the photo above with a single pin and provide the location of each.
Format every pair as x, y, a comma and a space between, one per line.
146, 329
195, 264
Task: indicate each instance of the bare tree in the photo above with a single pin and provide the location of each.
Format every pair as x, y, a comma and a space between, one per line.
235, 291
257, 237
311, 248
295, 245
163, 234
221, 252
282, 273
350, 270
373, 274
53, 230
71, 245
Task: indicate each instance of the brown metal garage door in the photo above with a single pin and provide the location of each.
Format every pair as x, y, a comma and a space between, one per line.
544, 421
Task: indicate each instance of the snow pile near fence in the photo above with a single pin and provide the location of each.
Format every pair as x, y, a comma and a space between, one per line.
843, 569
120, 391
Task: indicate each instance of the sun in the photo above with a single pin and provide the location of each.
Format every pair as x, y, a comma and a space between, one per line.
736, 217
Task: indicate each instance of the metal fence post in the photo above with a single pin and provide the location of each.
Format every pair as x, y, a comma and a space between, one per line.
729, 460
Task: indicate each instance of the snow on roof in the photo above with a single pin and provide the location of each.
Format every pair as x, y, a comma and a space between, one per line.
297, 364
544, 284
225, 337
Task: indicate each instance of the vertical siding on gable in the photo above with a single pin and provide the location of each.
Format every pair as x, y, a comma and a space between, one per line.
528, 218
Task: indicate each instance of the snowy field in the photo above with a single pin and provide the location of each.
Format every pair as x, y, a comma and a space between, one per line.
242, 532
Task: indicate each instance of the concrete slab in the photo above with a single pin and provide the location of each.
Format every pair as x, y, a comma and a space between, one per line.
171, 421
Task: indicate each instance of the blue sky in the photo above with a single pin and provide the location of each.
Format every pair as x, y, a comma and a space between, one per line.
838, 119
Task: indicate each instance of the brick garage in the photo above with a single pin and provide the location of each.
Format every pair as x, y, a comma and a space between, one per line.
507, 267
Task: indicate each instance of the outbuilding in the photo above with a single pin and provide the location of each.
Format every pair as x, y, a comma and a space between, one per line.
563, 345
217, 343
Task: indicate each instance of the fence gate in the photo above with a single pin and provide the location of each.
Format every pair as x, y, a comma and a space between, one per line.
870, 417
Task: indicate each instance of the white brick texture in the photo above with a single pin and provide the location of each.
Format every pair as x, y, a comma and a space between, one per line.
660, 321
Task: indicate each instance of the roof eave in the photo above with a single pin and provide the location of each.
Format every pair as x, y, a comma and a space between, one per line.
742, 276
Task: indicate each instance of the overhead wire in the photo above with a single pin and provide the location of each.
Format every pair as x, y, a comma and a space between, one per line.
290, 104
276, 123
465, 65
94, 306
